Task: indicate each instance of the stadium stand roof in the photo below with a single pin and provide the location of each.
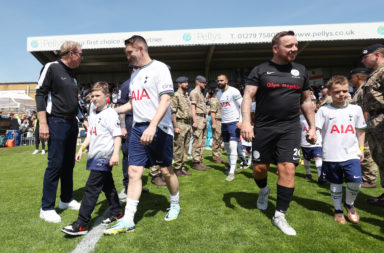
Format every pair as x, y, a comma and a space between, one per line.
210, 51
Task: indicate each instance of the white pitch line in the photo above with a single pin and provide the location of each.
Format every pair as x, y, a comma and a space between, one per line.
89, 242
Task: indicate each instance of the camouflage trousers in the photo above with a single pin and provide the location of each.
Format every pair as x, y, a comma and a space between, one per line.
375, 139
217, 141
181, 145
155, 171
199, 136
368, 166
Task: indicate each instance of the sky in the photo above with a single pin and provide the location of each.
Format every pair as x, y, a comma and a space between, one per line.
21, 19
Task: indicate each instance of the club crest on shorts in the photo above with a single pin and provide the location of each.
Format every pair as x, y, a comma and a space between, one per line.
256, 155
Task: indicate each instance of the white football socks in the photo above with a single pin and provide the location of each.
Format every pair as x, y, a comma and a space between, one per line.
337, 195
130, 210
351, 193
318, 164
232, 156
174, 198
307, 166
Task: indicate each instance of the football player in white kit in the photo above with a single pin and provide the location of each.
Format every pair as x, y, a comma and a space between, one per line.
342, 129
230, 100
151, 141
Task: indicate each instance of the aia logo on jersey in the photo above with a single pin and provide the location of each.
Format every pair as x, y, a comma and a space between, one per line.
342, 129
225, 104
140, 95
305, 129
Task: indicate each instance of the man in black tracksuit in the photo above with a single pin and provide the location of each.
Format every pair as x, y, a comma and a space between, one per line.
57, 107
281, 89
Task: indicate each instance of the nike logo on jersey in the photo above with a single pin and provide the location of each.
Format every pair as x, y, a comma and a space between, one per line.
356, 176
268, 73
63, 78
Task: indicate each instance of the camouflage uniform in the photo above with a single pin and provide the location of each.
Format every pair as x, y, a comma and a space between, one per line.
200, 133
181, 107
373, 104
155, 171
217, 140
368, 166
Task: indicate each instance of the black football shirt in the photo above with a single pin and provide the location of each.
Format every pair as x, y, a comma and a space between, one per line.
278, 97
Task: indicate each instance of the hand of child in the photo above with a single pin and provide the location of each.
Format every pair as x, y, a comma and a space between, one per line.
79, 154
114, 160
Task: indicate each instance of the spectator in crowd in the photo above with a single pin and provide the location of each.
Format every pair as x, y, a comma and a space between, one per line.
36, 132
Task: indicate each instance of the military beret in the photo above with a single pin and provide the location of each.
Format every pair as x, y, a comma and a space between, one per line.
201, 79
371, 49
181, 79
359, 70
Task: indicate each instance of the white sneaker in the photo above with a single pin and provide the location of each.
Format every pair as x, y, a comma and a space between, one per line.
74, 205
35, 152
283, 225
262, 200
43, 152
230, 177
50, 216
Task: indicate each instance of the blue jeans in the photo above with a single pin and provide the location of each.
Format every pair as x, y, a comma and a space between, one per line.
61, 160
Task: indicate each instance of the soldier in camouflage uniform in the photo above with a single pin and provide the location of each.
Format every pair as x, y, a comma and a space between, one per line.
373, 104
215, 111
181, 119
199, 126
368, 166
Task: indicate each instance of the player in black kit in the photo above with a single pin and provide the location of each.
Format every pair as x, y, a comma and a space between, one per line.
281, 88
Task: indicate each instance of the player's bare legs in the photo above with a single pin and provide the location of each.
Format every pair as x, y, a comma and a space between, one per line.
135, 184
260, 171
286, 174
171, 179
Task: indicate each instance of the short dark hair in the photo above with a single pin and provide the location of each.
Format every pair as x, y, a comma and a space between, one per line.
276, 38
136, 38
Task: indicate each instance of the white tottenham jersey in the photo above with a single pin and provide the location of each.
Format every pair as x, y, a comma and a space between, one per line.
230, 101
103, 126
338, 129
147, 85
304, 130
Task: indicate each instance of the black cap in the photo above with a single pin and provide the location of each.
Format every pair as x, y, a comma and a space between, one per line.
181, 79
201, 79
371, 49
359, 70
